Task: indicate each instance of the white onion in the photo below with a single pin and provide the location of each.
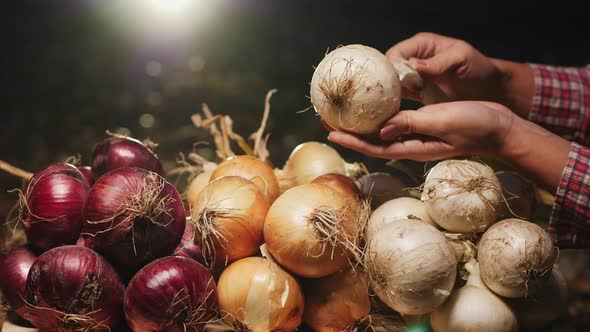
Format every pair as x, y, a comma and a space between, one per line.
548, 304
310, 160
355, 88
473, 308
411, 266
515, 257
462, 196
397, 209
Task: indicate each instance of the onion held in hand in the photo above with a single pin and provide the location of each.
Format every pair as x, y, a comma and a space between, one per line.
116, 152
14, 269
171, 294
313, 230
473, 308
53, 205
228, 216
336, 302
355, 88
515, 257
462, 196
72, 288
252, 169
133, 216
257, 295
411, 266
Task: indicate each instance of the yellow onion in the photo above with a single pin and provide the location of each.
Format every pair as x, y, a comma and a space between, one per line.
197, 184
334, 303
313, 230
253, 169
228, 217
312, 159
257, 295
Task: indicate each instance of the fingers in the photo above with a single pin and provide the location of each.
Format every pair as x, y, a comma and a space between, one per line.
421, 45
418, 148
425, 121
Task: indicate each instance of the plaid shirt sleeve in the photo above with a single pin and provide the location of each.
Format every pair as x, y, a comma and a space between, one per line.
561, 104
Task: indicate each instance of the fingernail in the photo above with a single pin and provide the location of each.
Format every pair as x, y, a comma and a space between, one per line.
417, 61
330, 137
387, 132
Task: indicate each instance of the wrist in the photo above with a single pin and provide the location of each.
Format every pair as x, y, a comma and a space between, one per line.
517, 86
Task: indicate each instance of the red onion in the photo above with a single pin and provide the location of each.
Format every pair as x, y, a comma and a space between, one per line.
116, 152
14, 268
171, 294
72, 288
132, 217
53, 205
87, 172
187, 246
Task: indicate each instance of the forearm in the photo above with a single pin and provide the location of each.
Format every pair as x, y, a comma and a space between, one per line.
536, 152
518, 86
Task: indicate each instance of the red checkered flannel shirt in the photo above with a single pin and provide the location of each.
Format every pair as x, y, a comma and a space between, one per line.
561, 104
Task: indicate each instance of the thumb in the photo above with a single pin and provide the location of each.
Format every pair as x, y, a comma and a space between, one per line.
436, 65
411, 122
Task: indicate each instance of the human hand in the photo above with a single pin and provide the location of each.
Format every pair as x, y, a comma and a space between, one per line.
440, 131
456, 67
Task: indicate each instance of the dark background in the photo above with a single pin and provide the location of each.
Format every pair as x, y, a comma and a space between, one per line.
72, 69
69, 70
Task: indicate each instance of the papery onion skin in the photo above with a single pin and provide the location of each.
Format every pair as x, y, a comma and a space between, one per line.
257, 295
171, 294
397, 209
73, 280
253, 169
462, 196
548, 304
116, 152
473, 308
53, 205
228, 218
339, 182
14, 268
132, 217
312, 159
515, 257
292, 237
197, 185
411, 266
335, 302
87, 173
355, 88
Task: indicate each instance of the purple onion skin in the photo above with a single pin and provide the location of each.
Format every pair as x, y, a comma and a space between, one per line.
165, 292
55, 199
87, 172
117, 224
73, 280
14, 268
116, 152
187, 247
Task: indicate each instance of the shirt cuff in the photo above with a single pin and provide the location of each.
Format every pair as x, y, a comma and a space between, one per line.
569, 225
